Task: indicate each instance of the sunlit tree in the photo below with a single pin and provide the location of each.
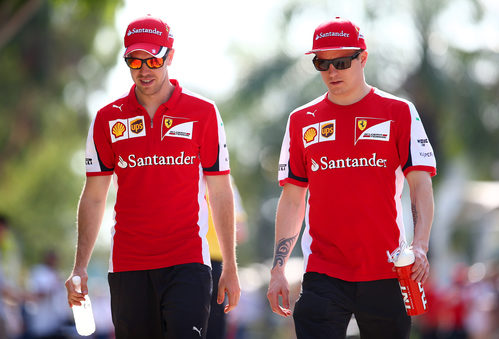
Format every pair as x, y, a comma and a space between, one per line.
53, 55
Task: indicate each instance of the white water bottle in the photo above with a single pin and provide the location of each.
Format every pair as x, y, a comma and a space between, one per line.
84, 317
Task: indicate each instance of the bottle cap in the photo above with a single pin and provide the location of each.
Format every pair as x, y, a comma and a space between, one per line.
405, 258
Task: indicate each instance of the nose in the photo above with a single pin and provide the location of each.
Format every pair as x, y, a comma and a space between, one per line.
143, 68
332, 69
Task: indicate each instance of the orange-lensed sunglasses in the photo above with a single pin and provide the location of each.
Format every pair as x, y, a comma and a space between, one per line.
152, 63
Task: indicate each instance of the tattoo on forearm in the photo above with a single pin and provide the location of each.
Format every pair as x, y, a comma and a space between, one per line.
414, 214
283, 250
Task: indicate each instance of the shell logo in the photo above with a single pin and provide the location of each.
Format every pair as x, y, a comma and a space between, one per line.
118, 129
310, 134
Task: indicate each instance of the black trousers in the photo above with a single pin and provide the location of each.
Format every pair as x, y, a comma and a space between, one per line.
326, 305
166, 303
217, 320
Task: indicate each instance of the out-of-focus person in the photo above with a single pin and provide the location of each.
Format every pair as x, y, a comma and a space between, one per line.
11, 297
46, 311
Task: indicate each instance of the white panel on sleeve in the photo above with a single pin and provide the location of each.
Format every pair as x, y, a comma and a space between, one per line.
223, 156
420, 147
91, 157
283, 172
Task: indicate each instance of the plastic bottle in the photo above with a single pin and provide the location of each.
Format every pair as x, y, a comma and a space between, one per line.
83, 315
412, 291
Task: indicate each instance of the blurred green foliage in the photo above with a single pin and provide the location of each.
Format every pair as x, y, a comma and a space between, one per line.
47, 51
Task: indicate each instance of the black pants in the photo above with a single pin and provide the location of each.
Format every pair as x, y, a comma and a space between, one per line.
166, 303
217, 320
326, 305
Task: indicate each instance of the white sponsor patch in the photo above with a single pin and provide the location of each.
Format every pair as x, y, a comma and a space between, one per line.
377, 131
319, 132
118, 129
136, 127
183, 130
122, 129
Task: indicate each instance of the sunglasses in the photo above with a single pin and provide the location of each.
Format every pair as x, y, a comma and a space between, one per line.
338, 63
152, 63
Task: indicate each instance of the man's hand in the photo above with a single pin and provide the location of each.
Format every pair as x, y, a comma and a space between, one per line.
229, 284
421, 267
75, 298
279, 286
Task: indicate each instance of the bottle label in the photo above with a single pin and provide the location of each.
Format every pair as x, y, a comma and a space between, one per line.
414, 296
412, 292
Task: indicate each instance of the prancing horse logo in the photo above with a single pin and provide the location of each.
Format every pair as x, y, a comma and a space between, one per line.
362, 124
168, 122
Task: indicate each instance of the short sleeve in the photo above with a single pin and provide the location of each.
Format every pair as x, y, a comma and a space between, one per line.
415, 148
213, 149
291, 166
99, 156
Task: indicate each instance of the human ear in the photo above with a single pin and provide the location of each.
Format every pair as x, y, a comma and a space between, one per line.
169, 58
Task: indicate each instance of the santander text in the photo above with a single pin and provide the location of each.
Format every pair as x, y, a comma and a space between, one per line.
352, 162
159, 160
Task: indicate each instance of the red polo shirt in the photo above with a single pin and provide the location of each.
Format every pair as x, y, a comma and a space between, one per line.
161, 217
353, 160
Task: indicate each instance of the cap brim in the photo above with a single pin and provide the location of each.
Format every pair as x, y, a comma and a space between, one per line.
155, 50
332, 49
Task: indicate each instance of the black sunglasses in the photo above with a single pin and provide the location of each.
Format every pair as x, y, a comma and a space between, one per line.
152, 63
338, 63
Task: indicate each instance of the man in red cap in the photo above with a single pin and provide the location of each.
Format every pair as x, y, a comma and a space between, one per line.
351, 148
164, 145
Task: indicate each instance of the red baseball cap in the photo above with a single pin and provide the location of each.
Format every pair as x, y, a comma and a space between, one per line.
337, 35
148, 34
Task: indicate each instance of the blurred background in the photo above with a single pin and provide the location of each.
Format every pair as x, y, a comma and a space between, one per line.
62, 61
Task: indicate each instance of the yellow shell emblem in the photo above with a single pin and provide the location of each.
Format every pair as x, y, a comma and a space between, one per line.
118, 129
310, 134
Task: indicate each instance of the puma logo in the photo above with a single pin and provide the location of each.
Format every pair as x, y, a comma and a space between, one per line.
118, 107
194, 328
312, 113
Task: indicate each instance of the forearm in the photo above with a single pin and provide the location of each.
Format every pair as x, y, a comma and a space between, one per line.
422, 207
289, 218
422, 212
89, 218
222, 209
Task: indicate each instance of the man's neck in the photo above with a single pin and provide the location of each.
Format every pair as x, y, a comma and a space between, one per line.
152, 102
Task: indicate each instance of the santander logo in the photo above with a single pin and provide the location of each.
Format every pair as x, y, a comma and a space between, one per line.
326, 163
143, 30
328, 34
156, 160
